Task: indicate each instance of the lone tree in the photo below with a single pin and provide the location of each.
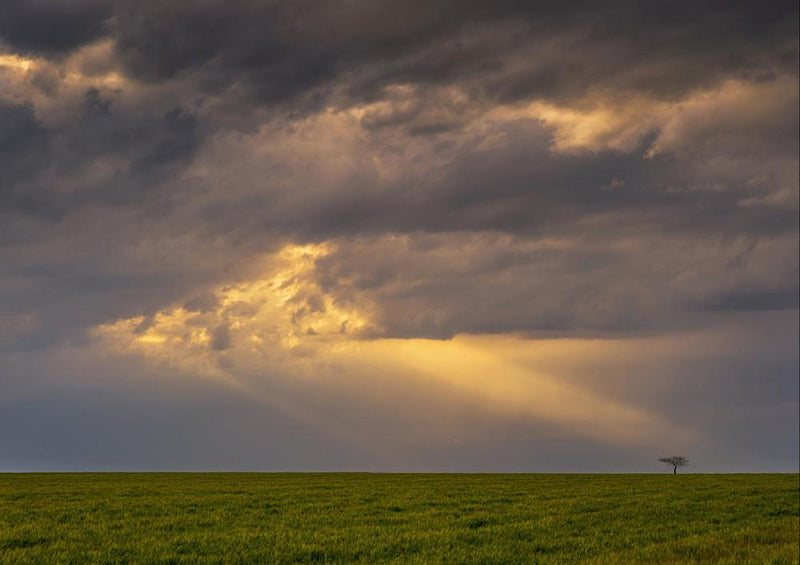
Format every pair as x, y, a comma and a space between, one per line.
676, 461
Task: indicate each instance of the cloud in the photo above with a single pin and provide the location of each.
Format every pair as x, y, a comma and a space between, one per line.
265, 340
289, 52
542, 404
51, 27
615, 216
439, 286
242, 191
281, 50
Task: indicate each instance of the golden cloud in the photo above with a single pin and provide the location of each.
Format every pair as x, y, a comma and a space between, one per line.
283, 323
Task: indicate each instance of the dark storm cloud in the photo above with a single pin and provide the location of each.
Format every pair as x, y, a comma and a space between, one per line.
39, 161
23, 143
507, 50
436, 286
283, 48
52, 27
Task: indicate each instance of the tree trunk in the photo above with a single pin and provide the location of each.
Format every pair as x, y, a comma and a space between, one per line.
674, 469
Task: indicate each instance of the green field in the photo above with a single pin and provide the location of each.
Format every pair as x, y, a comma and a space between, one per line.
385, 518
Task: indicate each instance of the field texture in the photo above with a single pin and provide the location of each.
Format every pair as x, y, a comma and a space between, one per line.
333, 518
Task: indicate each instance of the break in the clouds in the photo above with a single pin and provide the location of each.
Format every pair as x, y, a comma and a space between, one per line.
398, 235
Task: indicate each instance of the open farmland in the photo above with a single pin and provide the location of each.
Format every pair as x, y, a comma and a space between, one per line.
398, 518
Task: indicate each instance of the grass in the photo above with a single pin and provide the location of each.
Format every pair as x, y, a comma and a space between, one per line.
377, 518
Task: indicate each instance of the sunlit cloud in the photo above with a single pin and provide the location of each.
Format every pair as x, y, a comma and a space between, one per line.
284, 312
15, 62
597, 121
284, 325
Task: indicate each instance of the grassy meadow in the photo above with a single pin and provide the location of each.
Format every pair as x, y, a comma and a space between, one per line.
402, 518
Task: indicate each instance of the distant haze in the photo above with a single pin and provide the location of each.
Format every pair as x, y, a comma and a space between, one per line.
398, 236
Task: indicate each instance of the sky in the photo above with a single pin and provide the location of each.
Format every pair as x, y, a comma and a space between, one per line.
373, 235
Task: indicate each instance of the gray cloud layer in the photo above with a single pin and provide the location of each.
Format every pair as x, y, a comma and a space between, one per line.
551, 169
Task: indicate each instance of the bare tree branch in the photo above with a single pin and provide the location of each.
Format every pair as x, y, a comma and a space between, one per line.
676, 461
